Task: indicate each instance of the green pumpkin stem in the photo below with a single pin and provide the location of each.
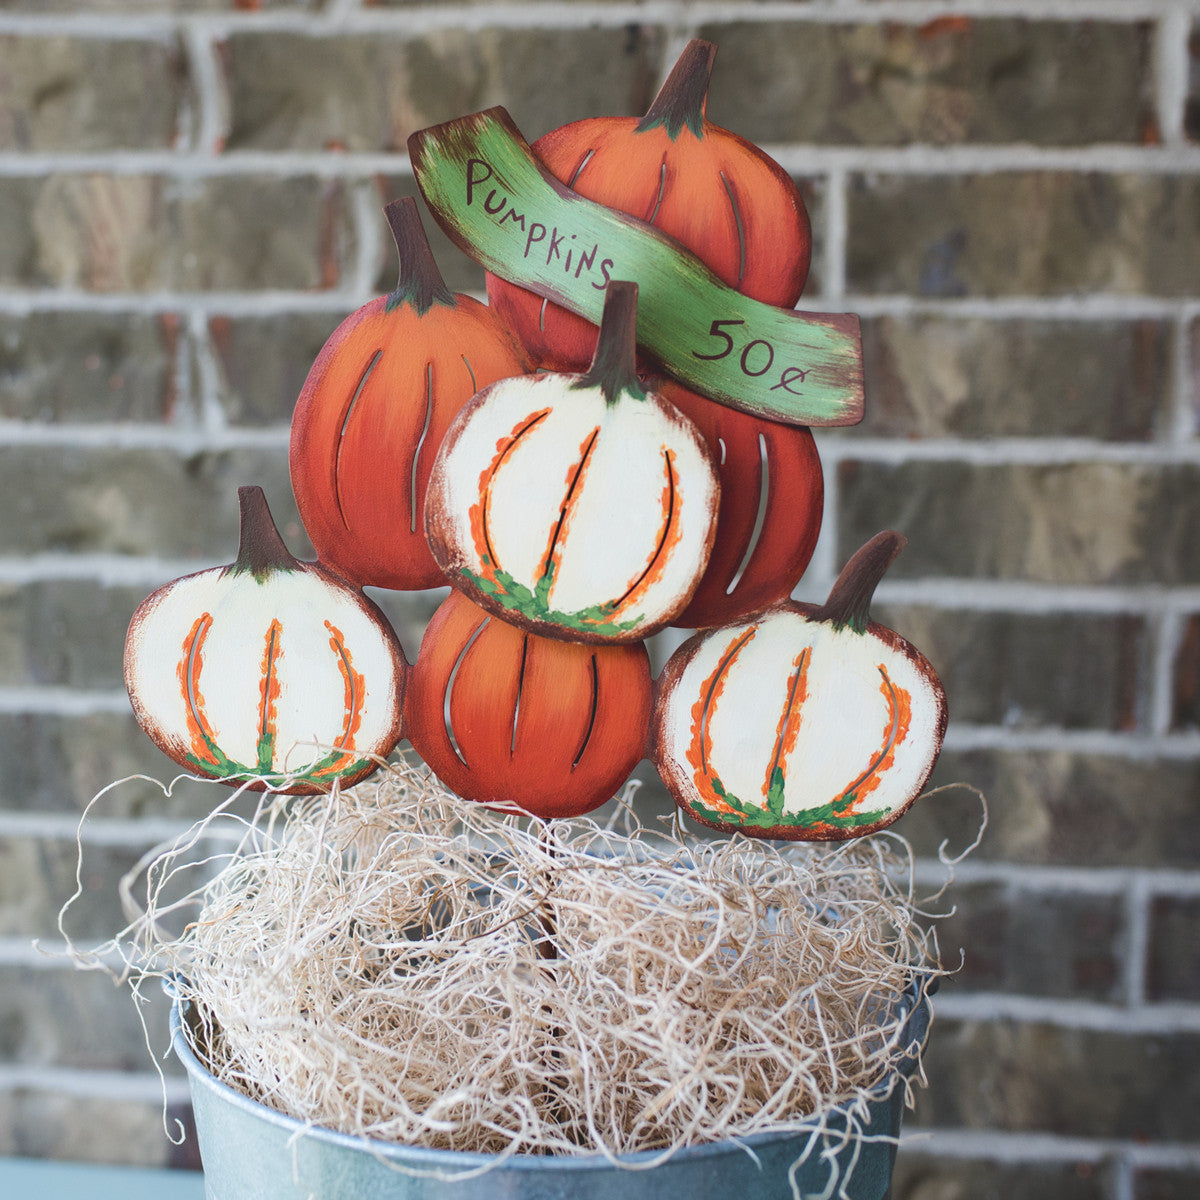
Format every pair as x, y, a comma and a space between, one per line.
614, 365
420, 283
260, 550
850, 597
682, 98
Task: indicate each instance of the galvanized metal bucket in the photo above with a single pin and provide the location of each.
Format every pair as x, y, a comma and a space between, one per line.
251, 1152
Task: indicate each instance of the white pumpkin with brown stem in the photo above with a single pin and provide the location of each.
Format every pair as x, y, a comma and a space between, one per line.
579, 506
806, 722
270, 669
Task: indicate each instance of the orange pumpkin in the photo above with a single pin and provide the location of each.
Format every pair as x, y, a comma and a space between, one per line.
374, 408
772, 494
718, 194
522, 722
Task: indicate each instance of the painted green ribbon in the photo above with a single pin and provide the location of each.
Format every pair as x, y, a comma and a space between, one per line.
495, 200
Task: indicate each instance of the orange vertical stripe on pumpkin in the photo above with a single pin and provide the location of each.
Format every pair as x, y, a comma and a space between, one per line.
188, 672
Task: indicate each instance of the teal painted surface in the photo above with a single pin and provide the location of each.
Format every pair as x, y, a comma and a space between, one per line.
490, 194
253, 1153
38, 1179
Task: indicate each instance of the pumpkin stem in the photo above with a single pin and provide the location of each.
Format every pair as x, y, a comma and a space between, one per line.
420, 283
850, 597
261, 549
682, 98
614, 365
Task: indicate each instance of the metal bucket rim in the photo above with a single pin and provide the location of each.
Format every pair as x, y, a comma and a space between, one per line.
912, 1039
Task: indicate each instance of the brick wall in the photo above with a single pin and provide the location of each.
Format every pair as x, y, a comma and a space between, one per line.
1009, 194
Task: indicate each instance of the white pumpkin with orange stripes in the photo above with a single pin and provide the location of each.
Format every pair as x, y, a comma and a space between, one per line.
805, 722
579, 506
269, 670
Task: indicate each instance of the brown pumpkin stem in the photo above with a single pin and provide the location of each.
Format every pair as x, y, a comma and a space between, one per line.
850, 597
420, 283
682, 98
261, 549
614, 365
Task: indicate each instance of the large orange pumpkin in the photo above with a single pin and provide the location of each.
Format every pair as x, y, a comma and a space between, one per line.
374, 408
522, 722
718, 194
769, 517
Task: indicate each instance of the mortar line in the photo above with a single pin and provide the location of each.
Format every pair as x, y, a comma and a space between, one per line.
79, 1083
468, 17
949, 594
798, 159
1137, 916
1147, 1020
1113, 881
212, 126
1172, 66
1004, 451
1184, 414
1167, 637
833, 282
271, 302
1022, 1146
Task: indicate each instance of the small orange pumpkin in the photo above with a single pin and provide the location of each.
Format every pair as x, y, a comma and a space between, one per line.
718, 194
375, 407
268, 669
522, 722
806, 722
772, 494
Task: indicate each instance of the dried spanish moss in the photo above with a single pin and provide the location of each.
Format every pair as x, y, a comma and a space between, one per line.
394, 962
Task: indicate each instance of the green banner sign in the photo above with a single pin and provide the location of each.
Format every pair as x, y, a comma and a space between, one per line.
495, 200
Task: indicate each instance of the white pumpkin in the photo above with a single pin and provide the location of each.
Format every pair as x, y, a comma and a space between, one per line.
268, 667
581, 506
802, 722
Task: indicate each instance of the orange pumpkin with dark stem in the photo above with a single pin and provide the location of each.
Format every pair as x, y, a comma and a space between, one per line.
718, 194
522, 722
772, 495
375, 407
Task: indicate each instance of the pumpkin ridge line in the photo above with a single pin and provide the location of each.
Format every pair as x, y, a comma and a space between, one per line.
797, 680
587, 733
850, 795
337, 457
714, 684
663, 537
490, 475
512, 747
741, 228
416, 458
549, 563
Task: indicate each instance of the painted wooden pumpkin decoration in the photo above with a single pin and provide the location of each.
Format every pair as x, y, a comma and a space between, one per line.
579, 506
267, 667
772, 495
804, 722
718, 194
522, 722
374, 409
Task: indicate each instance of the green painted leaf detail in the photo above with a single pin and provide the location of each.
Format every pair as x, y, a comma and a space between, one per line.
516, 597
493, 198
755, 816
